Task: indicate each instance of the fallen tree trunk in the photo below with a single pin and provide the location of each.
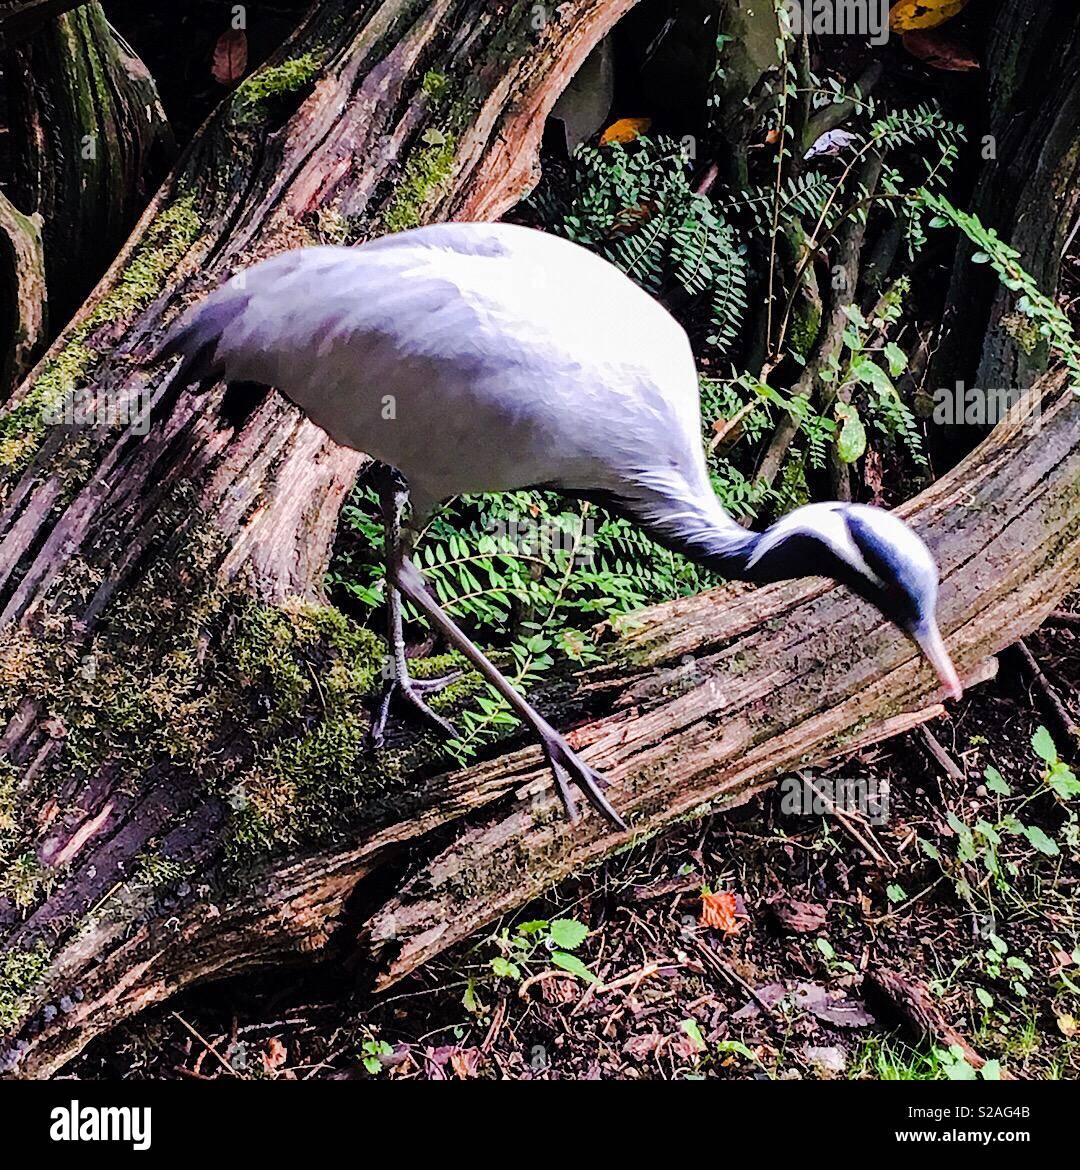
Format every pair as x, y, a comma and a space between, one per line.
189, 795
701, 704
156, 580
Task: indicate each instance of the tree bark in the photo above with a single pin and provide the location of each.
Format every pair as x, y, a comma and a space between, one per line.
23, 298
188, 795
90, 142
1029, 191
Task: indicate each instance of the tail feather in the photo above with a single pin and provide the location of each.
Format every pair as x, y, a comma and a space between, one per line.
196, 336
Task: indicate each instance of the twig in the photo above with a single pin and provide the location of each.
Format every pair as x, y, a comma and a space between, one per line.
864, 837
205, 1043
941, 755
1053, 706
921, 1014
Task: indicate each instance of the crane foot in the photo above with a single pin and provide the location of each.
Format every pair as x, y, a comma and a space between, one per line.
568, 768
413, 690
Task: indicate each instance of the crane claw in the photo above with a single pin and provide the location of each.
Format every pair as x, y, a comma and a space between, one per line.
565, 767
413, 691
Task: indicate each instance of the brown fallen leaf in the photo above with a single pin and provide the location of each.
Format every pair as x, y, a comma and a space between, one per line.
625, 130
642, 1047
798, 917
940, 51
720, 912
274, 1055
831, 1008
230, 57
464, 1062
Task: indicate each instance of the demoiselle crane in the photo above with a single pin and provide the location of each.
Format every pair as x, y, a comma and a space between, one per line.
475, 357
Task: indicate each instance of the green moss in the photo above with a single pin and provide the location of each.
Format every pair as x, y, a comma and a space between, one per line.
271, 82
426, 173
20, 973
167, 241
22, 880
435, 85
157, 872
805, 325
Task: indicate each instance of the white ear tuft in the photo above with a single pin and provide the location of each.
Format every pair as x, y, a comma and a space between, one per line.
824, 522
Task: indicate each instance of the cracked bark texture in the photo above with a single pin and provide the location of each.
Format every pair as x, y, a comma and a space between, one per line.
135, 558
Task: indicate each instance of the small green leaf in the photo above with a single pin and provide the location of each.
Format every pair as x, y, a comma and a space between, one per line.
896, 893
1041, 841
535, 926
568, 933
574, 965
930, 849
690, 1027
1062, 779
854, 315
991, 1071
1043, 743
984, 997
851, 442
995, 782
505, 969
896, 358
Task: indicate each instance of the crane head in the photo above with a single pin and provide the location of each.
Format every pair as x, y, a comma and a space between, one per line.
877, 555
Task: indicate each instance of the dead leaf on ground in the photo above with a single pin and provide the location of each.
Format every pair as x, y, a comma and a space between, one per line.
830, 1008
798, 917
720, 911
829, 1059
941, 51
230, 57
274, 1055
465, 1062
642, 1047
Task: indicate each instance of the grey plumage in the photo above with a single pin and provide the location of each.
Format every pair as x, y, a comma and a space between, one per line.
488, 357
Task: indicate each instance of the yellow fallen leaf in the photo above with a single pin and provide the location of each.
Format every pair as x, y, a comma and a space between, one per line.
1068, 1026
625, 130
908, 15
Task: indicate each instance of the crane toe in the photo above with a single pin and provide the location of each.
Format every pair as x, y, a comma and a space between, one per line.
566, 766
413, 692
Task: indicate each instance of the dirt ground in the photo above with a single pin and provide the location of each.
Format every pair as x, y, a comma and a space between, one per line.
838, 947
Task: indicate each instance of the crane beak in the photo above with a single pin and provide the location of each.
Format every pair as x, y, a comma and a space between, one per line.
930, 642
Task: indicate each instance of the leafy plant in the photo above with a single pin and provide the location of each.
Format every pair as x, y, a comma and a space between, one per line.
1051, 324
634, 204
540, 942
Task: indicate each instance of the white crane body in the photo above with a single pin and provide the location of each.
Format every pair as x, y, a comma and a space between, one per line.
490, 357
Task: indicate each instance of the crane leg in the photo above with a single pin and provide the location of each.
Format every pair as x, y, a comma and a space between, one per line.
392, 497
565, 764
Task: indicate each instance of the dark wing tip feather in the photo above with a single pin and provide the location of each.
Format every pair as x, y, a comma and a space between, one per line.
195, 337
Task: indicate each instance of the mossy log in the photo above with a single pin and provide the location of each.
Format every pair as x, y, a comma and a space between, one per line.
90, 143
23, 297
188, 794
170, 681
